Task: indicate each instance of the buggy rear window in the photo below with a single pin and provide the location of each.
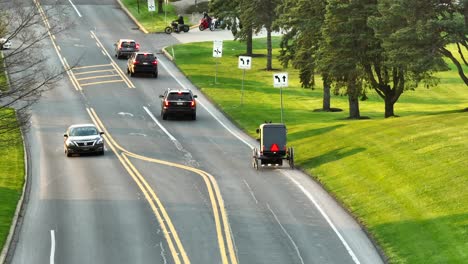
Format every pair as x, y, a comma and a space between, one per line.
179, 96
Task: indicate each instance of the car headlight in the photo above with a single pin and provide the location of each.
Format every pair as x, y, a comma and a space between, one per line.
70, 143
99, 141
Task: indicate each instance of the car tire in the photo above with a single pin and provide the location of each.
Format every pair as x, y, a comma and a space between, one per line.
67, 153
155, 75
164, 116
194, 116
132, 74
101, 152
128, 70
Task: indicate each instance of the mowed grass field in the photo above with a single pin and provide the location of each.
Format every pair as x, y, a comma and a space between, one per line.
405, 179
151, 21
11, 173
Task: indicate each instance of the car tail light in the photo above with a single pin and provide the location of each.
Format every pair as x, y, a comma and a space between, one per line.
155, 62
136, 62
192, 104
166, 103
137, 46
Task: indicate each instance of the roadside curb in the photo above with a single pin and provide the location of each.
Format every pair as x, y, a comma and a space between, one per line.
20, 207
140, 26
166, 53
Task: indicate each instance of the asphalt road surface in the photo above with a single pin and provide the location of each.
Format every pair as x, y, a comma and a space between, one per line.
166, 191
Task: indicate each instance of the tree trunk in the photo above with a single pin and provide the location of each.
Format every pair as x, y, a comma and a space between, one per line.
326, 93
249, 43
160, 6
353, 99
389, 107
269, 66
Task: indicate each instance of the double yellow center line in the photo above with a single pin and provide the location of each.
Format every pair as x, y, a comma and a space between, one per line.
223, 232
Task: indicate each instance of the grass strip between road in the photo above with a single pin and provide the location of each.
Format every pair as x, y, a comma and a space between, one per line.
151, 21
405, 179
11, 172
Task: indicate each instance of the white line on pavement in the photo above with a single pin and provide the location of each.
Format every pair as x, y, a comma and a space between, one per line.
159, 124
52, 246
327, 218
76, 9
287, 234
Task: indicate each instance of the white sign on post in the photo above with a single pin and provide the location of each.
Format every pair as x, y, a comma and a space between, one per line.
245, 62
280, 79
217, 48
151, 6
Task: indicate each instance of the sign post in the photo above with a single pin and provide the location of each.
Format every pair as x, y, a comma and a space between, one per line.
280, 80
217, 53
245, 63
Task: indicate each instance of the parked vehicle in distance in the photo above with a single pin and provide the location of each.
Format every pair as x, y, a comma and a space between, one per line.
5, 43
178, 102
125, 48
142, 62
83, 138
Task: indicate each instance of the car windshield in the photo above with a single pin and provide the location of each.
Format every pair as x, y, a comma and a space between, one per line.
83, 131
179, 96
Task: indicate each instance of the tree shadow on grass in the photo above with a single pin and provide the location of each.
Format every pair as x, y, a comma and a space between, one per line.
435, 240
332, 156
313, 132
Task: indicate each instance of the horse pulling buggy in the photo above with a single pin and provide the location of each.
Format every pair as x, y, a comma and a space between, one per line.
273, 149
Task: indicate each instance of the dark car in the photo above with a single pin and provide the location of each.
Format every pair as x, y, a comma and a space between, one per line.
125, 48
142, 62
178, 102
83, 138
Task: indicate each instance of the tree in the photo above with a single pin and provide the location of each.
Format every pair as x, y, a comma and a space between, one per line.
451, 17
405, 51
229, 12
303, 20
160, 6
345, 40
261, 14
27, 74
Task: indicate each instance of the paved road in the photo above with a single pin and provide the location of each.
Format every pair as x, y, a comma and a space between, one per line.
175, 191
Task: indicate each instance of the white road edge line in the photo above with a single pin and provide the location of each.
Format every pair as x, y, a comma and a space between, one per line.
74, 7
159, 124
217, 119
52, 246
348, 248
287, 234
322, 212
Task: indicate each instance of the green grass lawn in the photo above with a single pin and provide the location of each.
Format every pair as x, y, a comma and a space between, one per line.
151, 21
11, 173
404, 178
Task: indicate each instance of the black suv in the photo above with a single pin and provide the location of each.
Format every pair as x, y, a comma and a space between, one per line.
142, 62
178, 102
125, 47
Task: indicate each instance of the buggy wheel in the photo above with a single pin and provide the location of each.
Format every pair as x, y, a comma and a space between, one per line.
291, 157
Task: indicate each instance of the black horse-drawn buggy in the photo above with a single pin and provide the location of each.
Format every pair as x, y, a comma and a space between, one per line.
273, 149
